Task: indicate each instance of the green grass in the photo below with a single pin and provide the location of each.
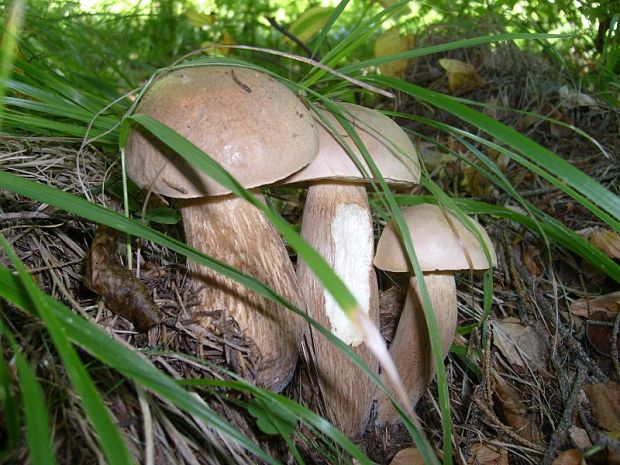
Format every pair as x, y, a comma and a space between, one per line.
58, 96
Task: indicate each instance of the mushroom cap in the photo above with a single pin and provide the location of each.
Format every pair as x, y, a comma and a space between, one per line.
388, 145
439, 245
250, 123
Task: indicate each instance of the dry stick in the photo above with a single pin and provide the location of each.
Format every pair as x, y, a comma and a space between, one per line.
613, 340
291, 36
564, 387
508, 431
23, 216
578, 353
559, 435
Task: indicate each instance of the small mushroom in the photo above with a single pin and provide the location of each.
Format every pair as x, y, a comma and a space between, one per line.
338, 224
260, 132
442, 245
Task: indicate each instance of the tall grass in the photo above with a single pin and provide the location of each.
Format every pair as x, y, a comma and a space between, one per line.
46, 99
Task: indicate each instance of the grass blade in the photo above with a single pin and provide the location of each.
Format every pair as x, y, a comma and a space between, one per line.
38, 434
112, 444
574, 182
96, 342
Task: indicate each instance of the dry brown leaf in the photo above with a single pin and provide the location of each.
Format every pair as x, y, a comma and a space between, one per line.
525, 122
409, 456
462, 76
599, 336
519, 344
483, 454
515, 414
606, 241
569, 457
608, 303
389, 43
605, 404
531, 257
122, 292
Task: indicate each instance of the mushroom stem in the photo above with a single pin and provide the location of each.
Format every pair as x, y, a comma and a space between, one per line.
238, 234
337, 223
411, 346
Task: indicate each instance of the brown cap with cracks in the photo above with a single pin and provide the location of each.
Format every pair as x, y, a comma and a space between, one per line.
439, 245
250, 123
388, 145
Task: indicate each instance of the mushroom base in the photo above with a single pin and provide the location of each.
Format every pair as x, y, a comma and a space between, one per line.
337, 223
411, 346
236, 233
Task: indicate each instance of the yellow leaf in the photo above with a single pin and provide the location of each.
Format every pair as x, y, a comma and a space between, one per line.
310, 23
409, 456
199, 19
461, 76
607, 241
389, 43
226, 39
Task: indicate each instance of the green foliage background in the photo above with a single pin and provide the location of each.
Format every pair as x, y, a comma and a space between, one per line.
76, 73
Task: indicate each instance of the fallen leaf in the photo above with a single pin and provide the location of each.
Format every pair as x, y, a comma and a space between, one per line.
225, 39
608, 303
514, 413
606, 241
462, 76
531, 257
605, 404
198, 19
483, 454
310, 22
525, 122
569, 457
409, 456
519, 344
389, 43
570, 98
599, 336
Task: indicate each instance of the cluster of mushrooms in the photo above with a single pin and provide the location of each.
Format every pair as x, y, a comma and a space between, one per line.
261, 133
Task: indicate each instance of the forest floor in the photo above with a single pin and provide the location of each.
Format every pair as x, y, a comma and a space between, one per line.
545, 376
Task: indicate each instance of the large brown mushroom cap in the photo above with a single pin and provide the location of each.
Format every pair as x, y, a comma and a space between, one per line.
441, 241
388, 145
251, 124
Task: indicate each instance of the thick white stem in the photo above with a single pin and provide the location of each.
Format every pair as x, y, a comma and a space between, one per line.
238, 234
337, 223
411, 347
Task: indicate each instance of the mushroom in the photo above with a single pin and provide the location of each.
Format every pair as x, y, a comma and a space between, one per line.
442, 245
260, 132
337, 223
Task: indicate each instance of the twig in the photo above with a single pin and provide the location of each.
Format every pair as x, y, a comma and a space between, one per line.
23, 216
505, 429
613, 340
559, 435
291, 36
